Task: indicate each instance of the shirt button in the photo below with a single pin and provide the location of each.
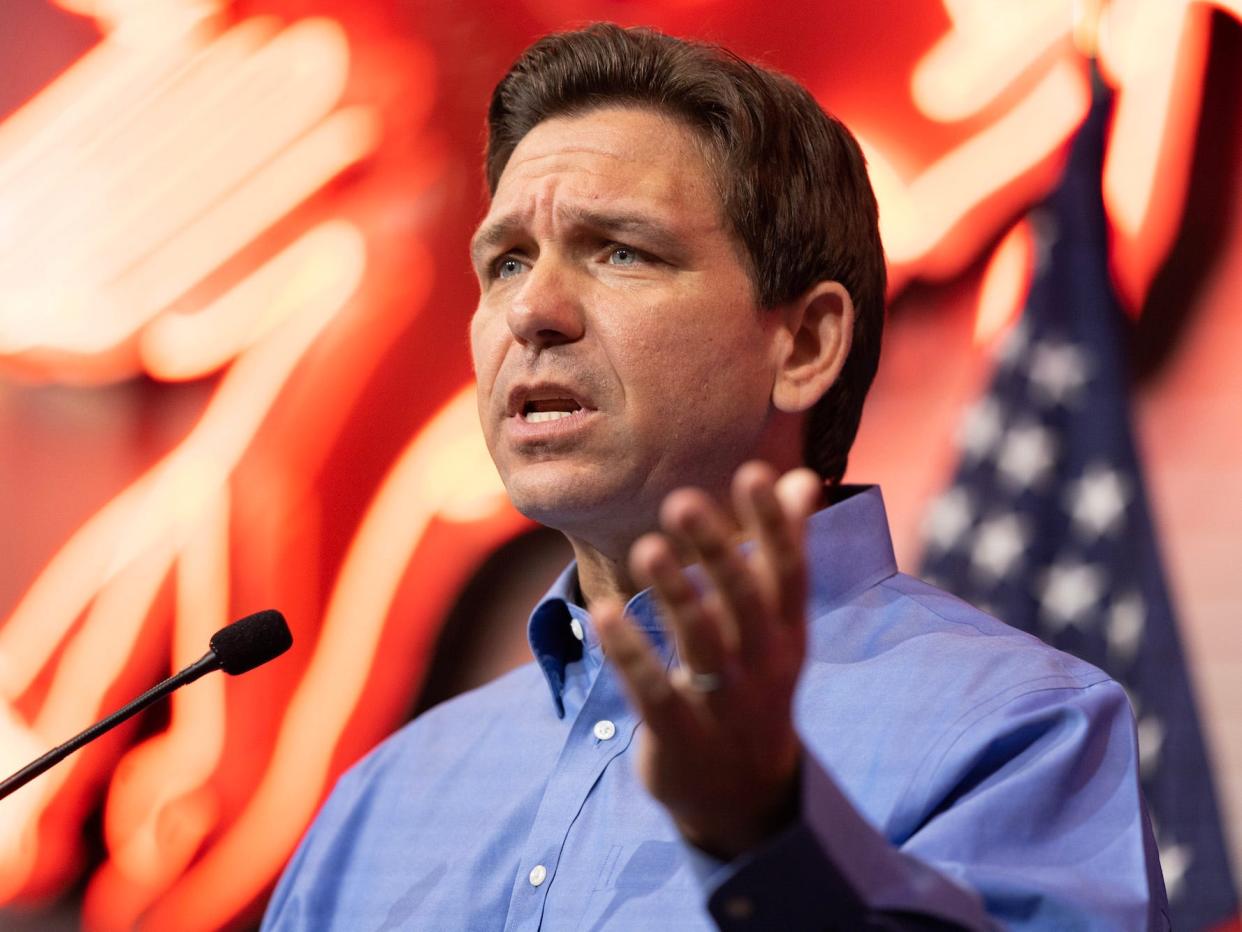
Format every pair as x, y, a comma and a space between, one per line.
739, 907
538, 874
604, 729
576, 627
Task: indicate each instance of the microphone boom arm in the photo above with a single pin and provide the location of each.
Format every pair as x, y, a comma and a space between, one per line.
208, 663
235, 648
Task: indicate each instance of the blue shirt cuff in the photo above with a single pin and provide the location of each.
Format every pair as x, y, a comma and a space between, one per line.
831, 869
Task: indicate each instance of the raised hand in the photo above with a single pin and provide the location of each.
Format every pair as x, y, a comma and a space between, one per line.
720, 751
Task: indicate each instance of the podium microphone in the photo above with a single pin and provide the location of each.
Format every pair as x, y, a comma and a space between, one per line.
241, 646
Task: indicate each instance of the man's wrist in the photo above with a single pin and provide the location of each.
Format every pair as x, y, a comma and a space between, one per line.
767, 814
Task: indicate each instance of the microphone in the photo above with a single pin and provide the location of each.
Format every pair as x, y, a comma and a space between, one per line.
237, 648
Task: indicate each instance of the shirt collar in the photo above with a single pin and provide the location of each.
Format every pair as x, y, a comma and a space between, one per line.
848, 550
553, 641
848, 547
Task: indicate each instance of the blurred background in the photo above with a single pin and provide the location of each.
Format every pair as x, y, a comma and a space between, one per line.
233, 374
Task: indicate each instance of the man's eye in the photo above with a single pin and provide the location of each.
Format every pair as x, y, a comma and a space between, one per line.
507, 267
623, 255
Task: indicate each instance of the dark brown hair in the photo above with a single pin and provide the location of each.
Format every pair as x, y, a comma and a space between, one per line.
792, 179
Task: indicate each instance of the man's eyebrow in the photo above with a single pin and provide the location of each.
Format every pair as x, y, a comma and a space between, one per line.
624, 223
609, 223
490, 236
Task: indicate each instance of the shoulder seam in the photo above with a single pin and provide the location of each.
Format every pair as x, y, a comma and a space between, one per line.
906, 595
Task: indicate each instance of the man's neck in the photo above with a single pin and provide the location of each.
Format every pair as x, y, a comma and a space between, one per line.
601, 576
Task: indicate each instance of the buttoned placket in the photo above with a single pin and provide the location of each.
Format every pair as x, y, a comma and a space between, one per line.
584, 756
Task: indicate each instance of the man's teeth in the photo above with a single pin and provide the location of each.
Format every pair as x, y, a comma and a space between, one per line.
535, 417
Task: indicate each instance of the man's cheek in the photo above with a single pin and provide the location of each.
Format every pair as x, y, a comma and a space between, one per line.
486, 373
486, 334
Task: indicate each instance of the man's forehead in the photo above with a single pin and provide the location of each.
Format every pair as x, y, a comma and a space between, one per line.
614, 162
625, 132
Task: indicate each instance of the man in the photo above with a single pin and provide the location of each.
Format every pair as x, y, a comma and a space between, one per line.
681, 300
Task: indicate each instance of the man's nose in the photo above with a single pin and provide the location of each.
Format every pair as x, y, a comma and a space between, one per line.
547, 309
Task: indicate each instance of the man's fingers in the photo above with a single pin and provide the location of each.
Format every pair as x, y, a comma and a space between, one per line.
700, 641
800, 492
642, 673
777, 528
692, 516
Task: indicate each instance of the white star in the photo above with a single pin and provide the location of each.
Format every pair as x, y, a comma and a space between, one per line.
998, 545
1175, 860
947, 519
1126, 620
1097, 501
1027, 453
1150, 741
981, 428
1069, 591
1058, 371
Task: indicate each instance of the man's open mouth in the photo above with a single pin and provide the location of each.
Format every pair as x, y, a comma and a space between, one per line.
548, 409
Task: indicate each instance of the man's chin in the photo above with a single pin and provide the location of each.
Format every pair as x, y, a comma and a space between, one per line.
569, 504
574, 502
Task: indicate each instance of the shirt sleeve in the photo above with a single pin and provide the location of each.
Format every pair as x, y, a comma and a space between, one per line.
1032, 818
304, 878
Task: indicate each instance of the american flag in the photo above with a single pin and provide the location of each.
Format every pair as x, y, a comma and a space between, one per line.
1046, 524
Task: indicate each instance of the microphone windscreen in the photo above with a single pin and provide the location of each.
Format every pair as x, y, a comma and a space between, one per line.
251, 641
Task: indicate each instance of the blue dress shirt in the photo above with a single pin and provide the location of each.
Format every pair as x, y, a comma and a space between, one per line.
957, 773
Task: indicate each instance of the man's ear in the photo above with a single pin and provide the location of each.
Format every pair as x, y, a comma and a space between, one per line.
819, 327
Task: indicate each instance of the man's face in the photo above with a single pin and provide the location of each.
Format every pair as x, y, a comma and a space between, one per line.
617, 344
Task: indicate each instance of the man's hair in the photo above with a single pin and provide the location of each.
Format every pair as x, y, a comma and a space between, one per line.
792, 179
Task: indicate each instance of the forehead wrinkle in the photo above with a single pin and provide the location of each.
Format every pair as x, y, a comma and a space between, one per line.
525, 159
623, 152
